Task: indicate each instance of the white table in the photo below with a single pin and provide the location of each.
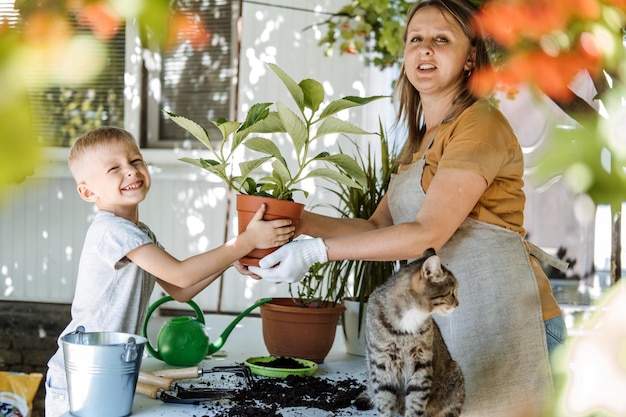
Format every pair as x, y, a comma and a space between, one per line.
246, 341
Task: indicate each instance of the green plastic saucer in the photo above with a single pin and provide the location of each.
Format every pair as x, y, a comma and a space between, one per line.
264, 366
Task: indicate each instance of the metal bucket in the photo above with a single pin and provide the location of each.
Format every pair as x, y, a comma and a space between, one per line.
102, 370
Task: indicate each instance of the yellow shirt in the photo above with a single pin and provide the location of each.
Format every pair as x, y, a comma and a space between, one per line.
481, 140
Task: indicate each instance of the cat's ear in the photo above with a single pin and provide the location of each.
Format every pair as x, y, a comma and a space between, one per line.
431, 269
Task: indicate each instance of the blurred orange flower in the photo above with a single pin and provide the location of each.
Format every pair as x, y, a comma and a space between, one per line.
43, 28
509, 22
102, 19
536, 55
551, 74
584, 9
483, 82
187, 27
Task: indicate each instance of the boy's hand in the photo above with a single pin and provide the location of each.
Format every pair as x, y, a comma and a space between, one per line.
268, 234
243, 270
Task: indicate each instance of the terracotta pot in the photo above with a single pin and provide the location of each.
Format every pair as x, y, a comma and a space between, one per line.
299, 332
247, 205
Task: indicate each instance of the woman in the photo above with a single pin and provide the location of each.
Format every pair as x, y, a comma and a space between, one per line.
459, 190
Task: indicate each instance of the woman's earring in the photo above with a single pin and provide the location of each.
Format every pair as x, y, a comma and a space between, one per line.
468, 73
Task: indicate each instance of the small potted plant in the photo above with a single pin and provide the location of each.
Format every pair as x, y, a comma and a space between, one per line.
254, 183
304, 325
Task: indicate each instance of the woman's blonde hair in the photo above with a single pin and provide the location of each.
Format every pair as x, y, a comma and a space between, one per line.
408, 99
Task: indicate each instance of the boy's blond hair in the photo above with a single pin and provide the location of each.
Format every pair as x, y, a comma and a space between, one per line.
96, 138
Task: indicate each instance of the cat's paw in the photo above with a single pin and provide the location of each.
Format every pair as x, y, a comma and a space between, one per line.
363, 402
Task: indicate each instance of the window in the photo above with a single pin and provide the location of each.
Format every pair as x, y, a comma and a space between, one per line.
199, 84
64, 112
136, 84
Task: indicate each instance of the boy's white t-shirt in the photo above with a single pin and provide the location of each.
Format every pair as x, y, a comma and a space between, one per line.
112, 293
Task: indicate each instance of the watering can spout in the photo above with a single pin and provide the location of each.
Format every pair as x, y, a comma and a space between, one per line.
182, 341
217, 344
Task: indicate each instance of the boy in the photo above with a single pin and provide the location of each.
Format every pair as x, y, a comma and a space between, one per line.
121, 258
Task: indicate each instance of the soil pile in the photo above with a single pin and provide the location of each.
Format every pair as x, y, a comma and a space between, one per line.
266, 396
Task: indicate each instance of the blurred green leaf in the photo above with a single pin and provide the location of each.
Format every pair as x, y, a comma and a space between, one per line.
20, 153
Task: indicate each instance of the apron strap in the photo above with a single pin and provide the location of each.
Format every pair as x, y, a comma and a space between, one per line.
545, 257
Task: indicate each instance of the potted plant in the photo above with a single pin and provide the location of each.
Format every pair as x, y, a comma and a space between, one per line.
358, 279
303, 128
338, 288
304, 325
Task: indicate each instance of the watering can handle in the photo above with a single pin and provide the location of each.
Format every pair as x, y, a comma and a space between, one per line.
153, 307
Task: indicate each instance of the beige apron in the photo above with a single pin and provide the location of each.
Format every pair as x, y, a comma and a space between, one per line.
497, 333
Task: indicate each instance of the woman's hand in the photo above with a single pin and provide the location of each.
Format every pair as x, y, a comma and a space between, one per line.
291, 262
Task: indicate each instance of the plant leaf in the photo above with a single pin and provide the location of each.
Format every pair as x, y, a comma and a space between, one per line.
271, 124
265, 146
227, 127
193, 161
334, 125
247, 167
268, 187
313, 94
275, 187
258, 112
346, 103
294, 89
248, 185
280, 170
212, 166
192, 127
332, 175
347, 164
295, 127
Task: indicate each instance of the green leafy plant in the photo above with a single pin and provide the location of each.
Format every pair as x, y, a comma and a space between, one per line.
318, 288
370, 27
335, 280
303, 128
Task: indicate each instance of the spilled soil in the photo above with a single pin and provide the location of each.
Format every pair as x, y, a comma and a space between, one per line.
268, 395
265, 397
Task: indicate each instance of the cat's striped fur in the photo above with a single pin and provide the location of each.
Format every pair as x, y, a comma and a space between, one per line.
410, 370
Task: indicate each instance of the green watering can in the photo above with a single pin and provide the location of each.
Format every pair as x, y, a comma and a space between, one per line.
182, 341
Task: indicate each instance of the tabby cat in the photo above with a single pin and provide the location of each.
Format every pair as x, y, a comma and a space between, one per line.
410, 370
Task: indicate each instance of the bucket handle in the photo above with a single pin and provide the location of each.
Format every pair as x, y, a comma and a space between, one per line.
80, 330
130, 350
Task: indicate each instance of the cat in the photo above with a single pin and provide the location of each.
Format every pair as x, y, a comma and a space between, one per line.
410, 370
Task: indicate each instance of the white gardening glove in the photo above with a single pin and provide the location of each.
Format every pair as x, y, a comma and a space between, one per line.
294, 260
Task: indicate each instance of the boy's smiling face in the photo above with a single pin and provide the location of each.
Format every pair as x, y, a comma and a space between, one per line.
115, 177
